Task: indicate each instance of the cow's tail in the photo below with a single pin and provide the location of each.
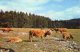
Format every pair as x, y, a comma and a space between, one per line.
30, 36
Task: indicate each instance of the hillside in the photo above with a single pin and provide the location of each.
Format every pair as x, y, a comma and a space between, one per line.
24, 20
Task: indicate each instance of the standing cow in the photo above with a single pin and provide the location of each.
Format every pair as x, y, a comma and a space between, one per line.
38, 33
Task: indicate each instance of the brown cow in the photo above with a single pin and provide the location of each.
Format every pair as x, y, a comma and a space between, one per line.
61, 29
6, 29
14, 39
38, 33
66, 35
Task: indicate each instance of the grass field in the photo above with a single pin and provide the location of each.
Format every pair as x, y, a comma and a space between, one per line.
37, 45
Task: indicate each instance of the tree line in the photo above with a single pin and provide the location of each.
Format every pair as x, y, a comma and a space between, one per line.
15, 19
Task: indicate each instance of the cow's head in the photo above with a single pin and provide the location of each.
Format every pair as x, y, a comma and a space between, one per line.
49, 32
56, 29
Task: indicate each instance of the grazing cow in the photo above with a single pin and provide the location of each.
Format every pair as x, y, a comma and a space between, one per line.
66, 35
38, 33
14, 39
6, 29
61, 29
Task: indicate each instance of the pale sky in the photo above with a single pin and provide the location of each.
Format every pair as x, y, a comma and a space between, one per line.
54, 9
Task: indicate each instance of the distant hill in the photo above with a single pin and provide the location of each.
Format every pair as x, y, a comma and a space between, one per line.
76, 19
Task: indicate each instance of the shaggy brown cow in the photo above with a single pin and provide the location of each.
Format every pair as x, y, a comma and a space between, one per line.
66, 35
6, 29
14, 39
38, 33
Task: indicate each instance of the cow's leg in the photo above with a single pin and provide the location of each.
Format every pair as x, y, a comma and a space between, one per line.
71, 36
41, 38
63, 37
56, 31
30, 38
68, 38
3, 30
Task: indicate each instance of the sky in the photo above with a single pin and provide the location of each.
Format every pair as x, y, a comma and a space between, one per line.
54, 9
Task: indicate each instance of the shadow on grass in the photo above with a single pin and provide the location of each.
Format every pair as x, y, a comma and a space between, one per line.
6, 50
30, 41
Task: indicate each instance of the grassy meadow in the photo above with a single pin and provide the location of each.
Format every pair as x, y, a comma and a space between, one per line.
37, 45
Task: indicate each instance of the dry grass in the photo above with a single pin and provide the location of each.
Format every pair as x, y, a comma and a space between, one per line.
37, 45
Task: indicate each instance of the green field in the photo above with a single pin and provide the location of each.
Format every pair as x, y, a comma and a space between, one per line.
47, 45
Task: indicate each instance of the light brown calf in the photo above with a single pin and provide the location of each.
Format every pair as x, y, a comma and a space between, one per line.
14, 39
